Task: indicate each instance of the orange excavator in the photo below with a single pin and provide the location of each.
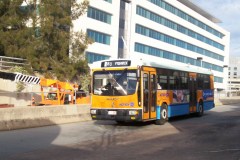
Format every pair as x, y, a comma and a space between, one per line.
60, 93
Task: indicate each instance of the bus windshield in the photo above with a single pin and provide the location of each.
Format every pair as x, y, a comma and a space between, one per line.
114, 83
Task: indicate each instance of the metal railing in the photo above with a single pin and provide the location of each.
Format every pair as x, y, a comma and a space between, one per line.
9, 62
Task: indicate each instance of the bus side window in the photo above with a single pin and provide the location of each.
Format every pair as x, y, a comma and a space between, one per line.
162, 78
184, 83
206, 82
162, 81
172, 82
183, 80
200, 81
176, 80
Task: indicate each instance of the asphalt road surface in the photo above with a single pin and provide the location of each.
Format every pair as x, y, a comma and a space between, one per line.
216, 135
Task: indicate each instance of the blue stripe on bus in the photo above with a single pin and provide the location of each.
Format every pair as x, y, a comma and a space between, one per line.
208, 105
158, 110
182, 109
178, 109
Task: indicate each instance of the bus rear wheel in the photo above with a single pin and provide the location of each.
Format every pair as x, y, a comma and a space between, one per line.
164, 115
200, 110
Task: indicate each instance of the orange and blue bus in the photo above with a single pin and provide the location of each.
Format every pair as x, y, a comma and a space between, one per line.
128, 90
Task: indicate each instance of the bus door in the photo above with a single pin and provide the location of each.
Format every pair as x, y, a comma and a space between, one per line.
192, 92
149, 93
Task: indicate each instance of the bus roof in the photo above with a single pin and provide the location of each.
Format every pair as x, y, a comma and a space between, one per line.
116, 63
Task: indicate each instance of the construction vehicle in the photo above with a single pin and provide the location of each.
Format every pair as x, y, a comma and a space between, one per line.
62, 93
53, 92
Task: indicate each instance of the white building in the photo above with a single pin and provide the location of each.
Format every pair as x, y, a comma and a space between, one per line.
176, 31
234, 74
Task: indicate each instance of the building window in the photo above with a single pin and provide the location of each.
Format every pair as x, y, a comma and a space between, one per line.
170, 8
180, 43
218, 79
92, 57
185, 16
174, 56
168, 39
212, 66
170, 24
191, 34
99, 15
182, 14
181, 29
99, 37
192, 20
109, 1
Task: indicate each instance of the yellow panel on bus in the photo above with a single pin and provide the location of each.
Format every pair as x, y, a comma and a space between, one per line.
164, 96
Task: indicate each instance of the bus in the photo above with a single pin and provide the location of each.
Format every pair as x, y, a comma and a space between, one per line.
130, 90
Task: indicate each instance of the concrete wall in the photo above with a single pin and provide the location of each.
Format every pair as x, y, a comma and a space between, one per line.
37, 116
9, 94
28, 117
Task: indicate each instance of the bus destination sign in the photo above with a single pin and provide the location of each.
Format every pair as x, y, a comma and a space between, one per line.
117, 63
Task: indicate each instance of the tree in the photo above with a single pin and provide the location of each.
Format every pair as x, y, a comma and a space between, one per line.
40, 32
14, 33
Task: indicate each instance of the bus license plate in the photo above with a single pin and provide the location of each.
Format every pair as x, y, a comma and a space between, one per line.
112, 112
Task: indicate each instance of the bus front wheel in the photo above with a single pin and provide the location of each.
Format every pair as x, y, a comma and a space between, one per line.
164, 115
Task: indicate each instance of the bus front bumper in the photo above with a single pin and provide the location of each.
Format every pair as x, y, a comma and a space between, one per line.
125, 115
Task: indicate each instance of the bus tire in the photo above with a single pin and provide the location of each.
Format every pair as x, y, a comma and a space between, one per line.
200, 109
164, 115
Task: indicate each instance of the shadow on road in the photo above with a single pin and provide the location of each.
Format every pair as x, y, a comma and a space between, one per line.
212, 136
16, 144
136, 124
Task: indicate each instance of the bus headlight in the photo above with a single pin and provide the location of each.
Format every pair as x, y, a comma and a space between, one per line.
133, 113
93, 111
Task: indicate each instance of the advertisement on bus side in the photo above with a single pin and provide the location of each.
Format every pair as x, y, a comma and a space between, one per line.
208, 95
180, 96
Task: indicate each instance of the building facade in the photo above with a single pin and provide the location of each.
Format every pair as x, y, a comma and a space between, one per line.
234, 75
176, 31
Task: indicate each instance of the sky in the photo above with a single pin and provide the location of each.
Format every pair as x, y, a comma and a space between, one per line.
228, 11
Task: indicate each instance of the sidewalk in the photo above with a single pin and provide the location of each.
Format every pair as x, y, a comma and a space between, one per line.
227, 100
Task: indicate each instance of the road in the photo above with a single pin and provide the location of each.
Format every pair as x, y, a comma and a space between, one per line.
216, 135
